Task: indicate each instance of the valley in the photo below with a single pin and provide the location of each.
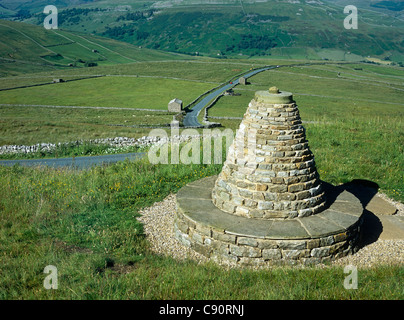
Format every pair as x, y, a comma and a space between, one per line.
239, 29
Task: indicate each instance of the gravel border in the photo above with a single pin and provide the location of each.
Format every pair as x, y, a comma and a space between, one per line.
158, 225
158, 222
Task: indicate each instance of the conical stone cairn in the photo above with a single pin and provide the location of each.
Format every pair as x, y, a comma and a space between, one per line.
268, 204
270, 171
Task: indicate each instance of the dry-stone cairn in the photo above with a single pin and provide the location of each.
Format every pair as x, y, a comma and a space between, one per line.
268, 204
270, 171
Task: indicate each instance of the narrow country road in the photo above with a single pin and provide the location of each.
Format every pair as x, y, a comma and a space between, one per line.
77, 162
191, 118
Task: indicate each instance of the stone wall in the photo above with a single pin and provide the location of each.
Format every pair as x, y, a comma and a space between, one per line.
113, 142
222, 246
48, 147
224, 237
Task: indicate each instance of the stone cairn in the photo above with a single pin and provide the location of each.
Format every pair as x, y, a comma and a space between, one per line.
268, 204
271, 174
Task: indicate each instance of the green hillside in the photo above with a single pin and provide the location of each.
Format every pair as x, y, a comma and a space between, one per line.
27, 48
17, 5
392, 7
304, 29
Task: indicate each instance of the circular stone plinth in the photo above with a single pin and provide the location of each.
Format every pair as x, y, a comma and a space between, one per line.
331, 234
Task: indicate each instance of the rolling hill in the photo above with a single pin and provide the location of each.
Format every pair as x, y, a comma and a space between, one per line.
28, 48
16, 5
392, 7
292, 29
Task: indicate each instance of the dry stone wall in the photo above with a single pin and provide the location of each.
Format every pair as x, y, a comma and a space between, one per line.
224, 247
226, 238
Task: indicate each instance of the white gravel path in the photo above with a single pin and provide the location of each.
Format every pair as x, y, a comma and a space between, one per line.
158, 222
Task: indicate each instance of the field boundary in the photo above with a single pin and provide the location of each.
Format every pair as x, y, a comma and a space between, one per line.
47, 83
80, 107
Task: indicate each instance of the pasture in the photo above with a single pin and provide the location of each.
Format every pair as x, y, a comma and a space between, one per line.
84, 222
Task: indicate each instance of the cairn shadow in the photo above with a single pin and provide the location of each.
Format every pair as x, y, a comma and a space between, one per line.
364, 190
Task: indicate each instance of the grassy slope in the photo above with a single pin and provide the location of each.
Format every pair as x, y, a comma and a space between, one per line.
304, 31
360, 107
85, 224
38, 4
26, 48
388, 7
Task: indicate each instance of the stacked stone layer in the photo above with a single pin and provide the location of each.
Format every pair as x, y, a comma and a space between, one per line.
270, 171
222, 246
331, 234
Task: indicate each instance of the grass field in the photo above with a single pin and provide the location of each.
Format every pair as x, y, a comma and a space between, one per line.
136, 85
202, 70
345, 105
31, 125
25, 48
84, 222
127, 92
373, 88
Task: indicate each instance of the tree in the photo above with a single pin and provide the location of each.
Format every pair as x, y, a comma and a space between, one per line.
91, 64
23, 14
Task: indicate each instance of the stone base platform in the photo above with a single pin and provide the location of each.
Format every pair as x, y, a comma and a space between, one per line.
221, 236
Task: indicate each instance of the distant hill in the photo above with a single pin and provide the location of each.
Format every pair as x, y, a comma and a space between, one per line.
28, 48
389, 5
32, 5
394, 6
294, 29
